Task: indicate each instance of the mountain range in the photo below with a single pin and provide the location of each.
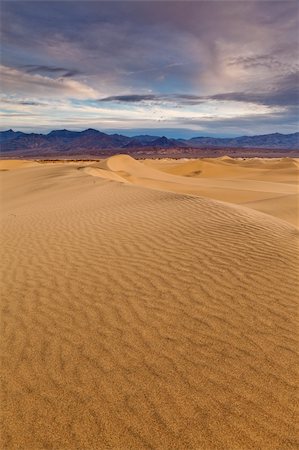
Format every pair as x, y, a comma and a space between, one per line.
92, 142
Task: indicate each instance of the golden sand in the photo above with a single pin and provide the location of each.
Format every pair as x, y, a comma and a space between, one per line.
9, 164
137, 318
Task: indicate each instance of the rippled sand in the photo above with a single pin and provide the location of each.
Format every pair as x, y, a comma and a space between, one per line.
138, 318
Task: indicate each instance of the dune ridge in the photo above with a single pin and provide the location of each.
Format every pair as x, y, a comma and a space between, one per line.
266, 186
142, 318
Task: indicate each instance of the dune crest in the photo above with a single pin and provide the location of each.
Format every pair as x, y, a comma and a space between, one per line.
266, 186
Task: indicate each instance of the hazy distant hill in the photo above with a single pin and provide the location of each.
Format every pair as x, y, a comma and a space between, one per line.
145, 138
275, 140
91, 141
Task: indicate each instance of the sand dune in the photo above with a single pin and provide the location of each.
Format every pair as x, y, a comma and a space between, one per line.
9, 164
267, 186
136, 318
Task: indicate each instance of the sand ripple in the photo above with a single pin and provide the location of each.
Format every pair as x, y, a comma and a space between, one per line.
141, 319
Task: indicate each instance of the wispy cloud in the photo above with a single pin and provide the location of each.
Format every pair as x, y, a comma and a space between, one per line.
249, 62
17, 81
134, 98
21, 102
50, 70
284, 91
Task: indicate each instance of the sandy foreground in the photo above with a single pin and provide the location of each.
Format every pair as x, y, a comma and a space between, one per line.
149, 304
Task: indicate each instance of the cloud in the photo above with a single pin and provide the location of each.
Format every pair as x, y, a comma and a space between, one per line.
283, 92
50, 70
21, 102
155, 98
17, 81
134, 98
152, 60
247, 62
237, 126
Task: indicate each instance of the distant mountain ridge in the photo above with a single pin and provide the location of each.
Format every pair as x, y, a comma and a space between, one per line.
274, 140
92, 141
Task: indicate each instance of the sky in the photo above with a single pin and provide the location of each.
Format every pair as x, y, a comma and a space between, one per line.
180, 69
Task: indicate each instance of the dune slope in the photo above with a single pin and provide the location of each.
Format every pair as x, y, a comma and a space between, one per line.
137, 318
265, 185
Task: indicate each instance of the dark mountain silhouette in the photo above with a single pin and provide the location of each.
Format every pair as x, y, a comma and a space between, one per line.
145, 138
90, 141
158, 142
9, 135
164, 142
62, 134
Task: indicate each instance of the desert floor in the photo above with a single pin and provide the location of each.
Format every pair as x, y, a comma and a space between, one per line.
149, 304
